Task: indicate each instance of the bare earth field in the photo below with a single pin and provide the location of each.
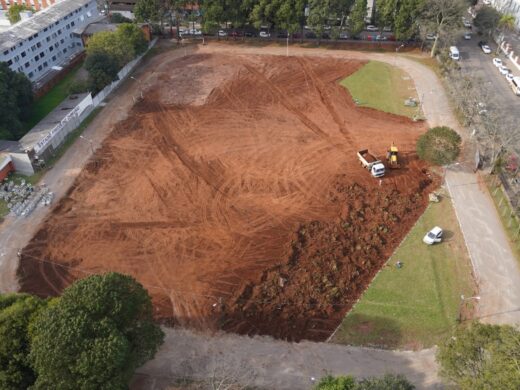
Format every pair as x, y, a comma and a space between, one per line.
233, 193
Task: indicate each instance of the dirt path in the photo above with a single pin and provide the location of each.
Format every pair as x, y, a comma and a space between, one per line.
271, 364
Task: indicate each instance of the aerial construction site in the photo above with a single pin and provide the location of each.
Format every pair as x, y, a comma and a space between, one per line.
233, 192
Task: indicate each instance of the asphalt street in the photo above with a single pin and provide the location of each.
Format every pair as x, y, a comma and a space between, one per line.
478, 65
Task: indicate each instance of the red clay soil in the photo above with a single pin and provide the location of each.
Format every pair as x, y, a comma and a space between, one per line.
233, 193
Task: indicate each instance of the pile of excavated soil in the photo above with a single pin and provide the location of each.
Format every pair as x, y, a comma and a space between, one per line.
233, 193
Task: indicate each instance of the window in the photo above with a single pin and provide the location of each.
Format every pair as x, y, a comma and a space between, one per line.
45, 64
45, 29
31, 74
31, 38
20, 69
54, 58
72, 23
36, 57
56, 45
51, 48
64, 50
62, 41
27, 64
48, 39
10, 62
39, 44
67, 26
17, 58
42, 54
24, 54
40, 68
59, 31
6, 52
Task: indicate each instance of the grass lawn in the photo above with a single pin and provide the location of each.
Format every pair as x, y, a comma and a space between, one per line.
51, 100
511, 225
383, 87
418, 305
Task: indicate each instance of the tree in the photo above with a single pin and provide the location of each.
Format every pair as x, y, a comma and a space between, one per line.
16, 97
134, 36
387, 382
386, 12
102, 69
95, 335
405, 19
109, 42
148, 11
16, 312
506, 22
442, 17
118, 18
486, 20
482, 357
439, 145
13, 14
357, 17
319, 14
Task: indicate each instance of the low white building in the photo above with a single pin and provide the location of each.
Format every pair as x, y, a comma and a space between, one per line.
46, 40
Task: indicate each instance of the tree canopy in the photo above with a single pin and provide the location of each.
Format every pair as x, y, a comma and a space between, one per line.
16, 312
482, 357
16, 97
486, 20
95, 335
13, 14
439, 145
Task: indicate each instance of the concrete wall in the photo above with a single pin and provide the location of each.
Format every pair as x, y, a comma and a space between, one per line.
22, 163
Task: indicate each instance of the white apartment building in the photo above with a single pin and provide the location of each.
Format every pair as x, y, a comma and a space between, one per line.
46, 40
509, 7
36, 4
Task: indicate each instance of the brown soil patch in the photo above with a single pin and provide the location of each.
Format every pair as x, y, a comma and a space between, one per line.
234, 195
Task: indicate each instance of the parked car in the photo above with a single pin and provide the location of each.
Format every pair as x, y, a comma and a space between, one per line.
431, 37
343, 35
387, 29
510, 77
466, 22
236, 34
310, 35
380, 37
486, 49
371, 27
467, 36
264, 34
497, 62
281, 34
222, 33
504, 70
250, 34
433, 236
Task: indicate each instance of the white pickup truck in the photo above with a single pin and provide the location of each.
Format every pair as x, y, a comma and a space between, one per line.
370, 162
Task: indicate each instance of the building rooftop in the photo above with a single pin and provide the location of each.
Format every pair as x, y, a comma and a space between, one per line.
41, 19
10, 147
44, 127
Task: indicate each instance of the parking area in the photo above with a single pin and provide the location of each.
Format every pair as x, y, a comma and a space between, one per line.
478, 65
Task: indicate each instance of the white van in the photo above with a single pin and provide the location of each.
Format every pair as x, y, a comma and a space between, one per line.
454, 53
515, 85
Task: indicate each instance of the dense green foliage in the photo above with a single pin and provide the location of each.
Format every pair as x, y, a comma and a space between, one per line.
16, 97
439, 145
487, 20
118, 18
387, 382
357, 17
16, 312
109, 51
13, 13
482, 357
95, 335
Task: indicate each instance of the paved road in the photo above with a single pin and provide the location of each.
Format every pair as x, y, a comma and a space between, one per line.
479, 66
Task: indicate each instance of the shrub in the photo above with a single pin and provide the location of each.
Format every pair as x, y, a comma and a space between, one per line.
439, 145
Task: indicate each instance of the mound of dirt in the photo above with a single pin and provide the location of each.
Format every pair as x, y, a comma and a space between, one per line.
234, 195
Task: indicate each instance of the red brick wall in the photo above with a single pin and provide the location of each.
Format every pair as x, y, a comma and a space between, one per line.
4, 172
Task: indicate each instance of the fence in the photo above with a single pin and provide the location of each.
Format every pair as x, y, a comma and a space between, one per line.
98, 99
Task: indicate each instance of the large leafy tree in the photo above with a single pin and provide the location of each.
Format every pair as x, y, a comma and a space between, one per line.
482, 357
486, 20
320, 11
442, 17
148, 11
95, 335
357, 17
102, 69
16, 312
439, 145
16, 97
133, 34
110, 43
405, 19
386, 11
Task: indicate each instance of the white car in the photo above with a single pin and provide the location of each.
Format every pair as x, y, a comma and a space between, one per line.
387, 29
372, 28
504, 70
433, 236
486, 49
497, 62
467, 36
466, 23
264, 34
222, 33
487, 2
431, 37
510, 77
